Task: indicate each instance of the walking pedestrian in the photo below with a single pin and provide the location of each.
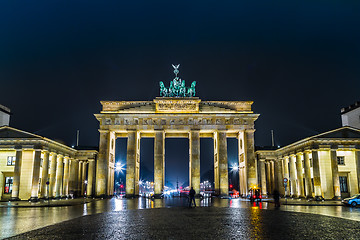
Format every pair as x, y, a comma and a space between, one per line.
192, 197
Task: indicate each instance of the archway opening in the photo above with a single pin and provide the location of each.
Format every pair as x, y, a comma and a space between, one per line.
206, 165
233, 165
120, 165
177, 163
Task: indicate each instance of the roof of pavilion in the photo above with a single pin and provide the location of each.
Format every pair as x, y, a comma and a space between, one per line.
344, 134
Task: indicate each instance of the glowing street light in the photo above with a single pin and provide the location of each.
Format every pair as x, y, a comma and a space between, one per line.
234, 168
119, 167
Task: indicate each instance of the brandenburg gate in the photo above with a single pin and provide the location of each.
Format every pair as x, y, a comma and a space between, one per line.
177, 113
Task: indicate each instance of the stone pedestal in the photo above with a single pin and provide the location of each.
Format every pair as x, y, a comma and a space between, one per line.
194, 171
159, 162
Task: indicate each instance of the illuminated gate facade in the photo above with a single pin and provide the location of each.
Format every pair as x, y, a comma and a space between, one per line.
175, 117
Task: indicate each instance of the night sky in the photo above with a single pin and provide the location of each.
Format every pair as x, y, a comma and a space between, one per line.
299, 61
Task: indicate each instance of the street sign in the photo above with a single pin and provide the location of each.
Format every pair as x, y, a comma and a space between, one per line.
47, 183
285, 180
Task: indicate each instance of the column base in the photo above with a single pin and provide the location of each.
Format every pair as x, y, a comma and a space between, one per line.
14, 199
337, 198
101, 196
158, 196
319, 198
129, 195
34, 199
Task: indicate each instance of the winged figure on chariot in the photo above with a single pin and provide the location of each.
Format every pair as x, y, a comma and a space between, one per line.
177, 87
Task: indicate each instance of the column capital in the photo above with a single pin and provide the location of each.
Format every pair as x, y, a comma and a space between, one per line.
299, 153
53, 154
250, 130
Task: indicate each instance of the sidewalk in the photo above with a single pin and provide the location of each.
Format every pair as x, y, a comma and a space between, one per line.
45, 203
306, 202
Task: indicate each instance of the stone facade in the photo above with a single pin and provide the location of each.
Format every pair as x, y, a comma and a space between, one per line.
28, 161
325, 166
171, 118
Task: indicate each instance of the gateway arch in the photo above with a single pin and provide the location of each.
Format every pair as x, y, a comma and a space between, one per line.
177, 114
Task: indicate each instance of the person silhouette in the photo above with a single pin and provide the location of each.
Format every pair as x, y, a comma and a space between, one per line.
192, 197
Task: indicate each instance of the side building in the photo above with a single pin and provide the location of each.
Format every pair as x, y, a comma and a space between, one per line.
324, 166
33, 167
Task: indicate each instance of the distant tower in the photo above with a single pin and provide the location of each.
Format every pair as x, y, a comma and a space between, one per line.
350, 116
4, 116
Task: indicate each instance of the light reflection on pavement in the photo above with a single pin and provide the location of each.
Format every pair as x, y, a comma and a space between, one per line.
19, 220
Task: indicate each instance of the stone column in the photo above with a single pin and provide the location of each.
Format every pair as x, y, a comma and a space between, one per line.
335, 175
16, 179
308, 185
102, 164
216, 164
65, 191
90, 179
279, 177
36, 176
272, 170
194, 166
268, 177
241, 161
52, 179
59, 175
131, 164
250, 159
286, 174
293, 176
357, 162
159, 161
44, 174
73, 179
83, 178
263, 177
300, 176
316, 175
137, 163
223, 164
79, 180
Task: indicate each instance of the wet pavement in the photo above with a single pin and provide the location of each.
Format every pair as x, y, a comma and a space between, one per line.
125, 218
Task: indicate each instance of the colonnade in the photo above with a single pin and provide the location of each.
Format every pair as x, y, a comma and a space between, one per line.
53, 175
302, 171
105, 161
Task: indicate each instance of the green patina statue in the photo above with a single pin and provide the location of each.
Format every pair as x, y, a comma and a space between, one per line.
177, 87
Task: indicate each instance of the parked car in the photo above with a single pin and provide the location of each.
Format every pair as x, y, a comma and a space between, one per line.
353, 201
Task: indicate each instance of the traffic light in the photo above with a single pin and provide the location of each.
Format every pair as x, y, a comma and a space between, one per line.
231, 185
